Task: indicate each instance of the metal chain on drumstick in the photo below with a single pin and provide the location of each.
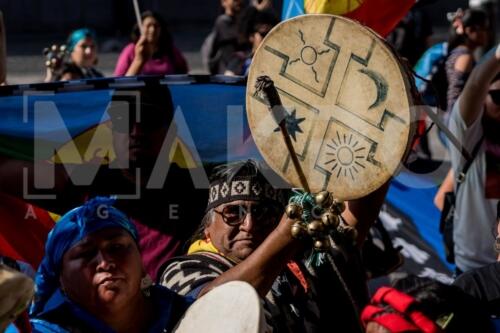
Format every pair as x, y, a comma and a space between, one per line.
265, 85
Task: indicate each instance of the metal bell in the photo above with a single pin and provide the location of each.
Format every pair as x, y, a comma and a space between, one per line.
348, 232
62, 48
321, 244
323, 199
315, 228
48, 63
298, 230
330, 220
293, 211
53, 47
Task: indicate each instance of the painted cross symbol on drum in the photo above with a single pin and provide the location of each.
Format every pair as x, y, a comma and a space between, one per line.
347, 101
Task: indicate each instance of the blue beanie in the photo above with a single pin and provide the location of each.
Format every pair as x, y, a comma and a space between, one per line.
77, 36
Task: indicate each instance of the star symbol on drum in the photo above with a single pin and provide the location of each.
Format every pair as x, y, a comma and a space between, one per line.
292, 124
308, 55
346, 155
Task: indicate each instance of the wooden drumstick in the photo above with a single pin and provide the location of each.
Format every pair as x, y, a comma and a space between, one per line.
265, 85
138, 16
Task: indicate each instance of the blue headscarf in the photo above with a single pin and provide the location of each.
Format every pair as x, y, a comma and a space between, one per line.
77, 36
94, 215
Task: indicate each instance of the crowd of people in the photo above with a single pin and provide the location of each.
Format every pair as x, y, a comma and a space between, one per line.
227, 50
124, 265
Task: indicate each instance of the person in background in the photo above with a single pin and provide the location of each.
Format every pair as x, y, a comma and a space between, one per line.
484, 283
475, 121
151, 53
223, 41
411, 36
92, 278
81, 50
469, 31
423, 305
254, 26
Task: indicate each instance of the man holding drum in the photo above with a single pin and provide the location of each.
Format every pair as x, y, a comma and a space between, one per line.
246, 236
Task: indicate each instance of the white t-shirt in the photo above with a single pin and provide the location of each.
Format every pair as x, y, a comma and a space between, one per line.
475, 216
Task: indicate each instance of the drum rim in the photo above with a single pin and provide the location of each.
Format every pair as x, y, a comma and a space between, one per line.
409, 89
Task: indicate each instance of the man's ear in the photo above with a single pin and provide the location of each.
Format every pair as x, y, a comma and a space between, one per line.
207, 233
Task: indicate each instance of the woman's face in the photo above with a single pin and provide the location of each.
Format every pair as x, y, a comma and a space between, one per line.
152, 29
103, 272
85, 53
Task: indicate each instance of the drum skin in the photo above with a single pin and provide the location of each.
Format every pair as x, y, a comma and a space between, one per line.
348, 101
229, 308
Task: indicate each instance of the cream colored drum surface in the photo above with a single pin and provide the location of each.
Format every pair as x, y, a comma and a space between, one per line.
233, 307
347, 99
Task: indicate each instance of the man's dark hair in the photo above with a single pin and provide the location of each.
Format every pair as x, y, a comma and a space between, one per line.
228, 171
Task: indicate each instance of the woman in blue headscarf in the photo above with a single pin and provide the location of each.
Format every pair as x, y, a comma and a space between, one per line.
92, 279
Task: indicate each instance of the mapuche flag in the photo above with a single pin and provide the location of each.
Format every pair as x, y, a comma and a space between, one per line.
379, 15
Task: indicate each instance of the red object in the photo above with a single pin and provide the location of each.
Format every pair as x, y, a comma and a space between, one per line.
381, 15
23, 230
401, 320
23, 322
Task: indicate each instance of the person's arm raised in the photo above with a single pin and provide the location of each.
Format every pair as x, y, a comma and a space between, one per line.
363, 212
262, 267
143, 52
476, 89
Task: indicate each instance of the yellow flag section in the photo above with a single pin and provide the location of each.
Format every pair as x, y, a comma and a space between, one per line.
96, 145
336, 7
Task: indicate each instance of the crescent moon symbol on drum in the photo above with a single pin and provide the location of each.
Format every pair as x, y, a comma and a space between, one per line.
381, 85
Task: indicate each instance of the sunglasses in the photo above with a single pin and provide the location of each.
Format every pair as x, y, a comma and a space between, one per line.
234, 215
495, 96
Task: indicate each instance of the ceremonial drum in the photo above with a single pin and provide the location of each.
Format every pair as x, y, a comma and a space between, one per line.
347, 101
231, 307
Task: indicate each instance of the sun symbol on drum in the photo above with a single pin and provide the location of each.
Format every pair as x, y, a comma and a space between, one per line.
346, 156
308, 55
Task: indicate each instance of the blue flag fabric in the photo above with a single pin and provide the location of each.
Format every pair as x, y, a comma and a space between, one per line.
211, 120
292, 8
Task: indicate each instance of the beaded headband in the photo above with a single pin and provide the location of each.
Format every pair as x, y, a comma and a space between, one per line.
249, 188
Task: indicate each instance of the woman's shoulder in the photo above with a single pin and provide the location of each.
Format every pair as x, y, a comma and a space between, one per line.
129, 48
